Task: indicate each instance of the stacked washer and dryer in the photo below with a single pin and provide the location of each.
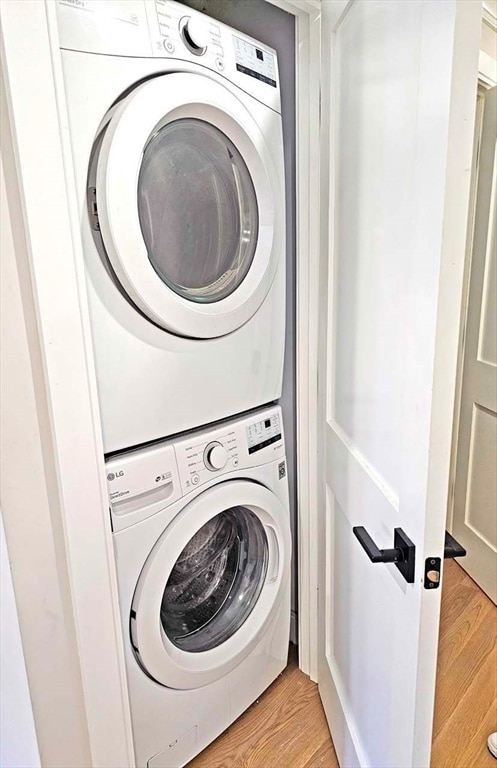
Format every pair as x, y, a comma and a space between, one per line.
176, 137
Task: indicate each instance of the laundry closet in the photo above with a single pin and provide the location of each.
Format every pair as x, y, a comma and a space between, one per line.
179, 169
171, 443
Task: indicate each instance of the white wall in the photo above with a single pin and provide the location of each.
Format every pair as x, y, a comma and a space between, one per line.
18, 743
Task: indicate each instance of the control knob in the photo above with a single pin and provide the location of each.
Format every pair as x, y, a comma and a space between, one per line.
195, 35
215, 456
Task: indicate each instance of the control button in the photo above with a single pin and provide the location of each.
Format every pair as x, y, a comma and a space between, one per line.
220, 64
215, 456
168, 45
196, 35
195, 479
236, 461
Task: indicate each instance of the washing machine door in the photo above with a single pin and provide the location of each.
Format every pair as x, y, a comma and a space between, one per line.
190, 205
211, 584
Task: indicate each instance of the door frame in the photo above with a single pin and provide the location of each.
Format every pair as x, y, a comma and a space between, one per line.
66, 417
308, 151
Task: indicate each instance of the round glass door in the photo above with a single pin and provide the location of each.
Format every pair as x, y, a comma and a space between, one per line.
211, 584
198, 210
187, 188
216, 581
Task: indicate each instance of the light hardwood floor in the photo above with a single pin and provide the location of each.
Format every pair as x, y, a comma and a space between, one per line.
466, 695
286, 728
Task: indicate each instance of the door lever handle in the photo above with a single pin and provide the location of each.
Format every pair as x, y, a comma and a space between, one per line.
452, 547
403, 553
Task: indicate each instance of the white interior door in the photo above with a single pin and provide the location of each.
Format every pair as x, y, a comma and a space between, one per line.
398, 106
475, 497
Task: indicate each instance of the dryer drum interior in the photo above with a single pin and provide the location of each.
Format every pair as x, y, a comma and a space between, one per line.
198, 210
216, 581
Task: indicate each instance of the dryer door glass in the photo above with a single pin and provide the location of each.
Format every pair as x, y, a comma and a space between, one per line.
216, 581
198, 210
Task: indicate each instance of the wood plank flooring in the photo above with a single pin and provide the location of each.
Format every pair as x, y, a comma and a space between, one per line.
286, 727
466, 694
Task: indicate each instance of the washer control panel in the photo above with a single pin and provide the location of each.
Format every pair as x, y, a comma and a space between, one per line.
142, 481
200, 456
263, 433
244, 442
215, 456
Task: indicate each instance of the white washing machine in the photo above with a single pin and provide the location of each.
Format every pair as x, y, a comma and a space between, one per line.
202, 541
176, 136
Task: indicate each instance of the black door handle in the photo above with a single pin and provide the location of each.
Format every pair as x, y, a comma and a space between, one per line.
403, 553
452, 547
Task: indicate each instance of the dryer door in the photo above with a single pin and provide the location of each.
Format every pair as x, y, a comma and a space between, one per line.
211, 584
190, 206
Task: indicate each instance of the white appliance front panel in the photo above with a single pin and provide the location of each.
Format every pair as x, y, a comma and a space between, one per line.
151, 383
153, 28
163, 718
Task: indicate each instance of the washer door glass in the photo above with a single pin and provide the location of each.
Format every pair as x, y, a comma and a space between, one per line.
197, 209
216, 581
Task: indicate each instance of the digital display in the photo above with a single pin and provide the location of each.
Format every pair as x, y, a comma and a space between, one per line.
264, 443
255, 62
262, 433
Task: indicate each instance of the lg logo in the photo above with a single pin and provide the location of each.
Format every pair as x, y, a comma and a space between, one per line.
113, 475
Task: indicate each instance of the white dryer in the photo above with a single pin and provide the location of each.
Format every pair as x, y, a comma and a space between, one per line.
175, 127
202, 541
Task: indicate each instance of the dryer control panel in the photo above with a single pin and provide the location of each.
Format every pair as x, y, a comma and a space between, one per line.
165, 29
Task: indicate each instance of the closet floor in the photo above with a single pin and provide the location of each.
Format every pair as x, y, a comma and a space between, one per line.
286, 727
